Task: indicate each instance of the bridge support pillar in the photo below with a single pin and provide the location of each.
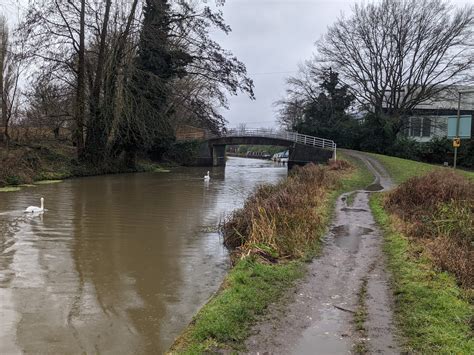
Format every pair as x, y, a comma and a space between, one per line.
302, 154
218, 155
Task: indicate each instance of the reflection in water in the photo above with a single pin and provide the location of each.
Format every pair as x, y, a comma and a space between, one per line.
118, 264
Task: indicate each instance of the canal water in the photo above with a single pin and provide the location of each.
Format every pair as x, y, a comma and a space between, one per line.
118, 264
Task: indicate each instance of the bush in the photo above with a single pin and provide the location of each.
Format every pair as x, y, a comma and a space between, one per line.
406, 148
438, 209
185, 152
283, 220
437, 151
452, 249
466, 154
419, 196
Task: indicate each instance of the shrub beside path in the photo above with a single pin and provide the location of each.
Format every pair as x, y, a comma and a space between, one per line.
343, 304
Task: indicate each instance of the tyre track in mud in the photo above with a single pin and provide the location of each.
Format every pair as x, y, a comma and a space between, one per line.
318, 315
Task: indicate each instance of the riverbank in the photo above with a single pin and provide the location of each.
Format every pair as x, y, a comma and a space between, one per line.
271, 256
22, 165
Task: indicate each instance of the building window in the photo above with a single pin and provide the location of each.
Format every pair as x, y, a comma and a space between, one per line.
426, 127
415, 127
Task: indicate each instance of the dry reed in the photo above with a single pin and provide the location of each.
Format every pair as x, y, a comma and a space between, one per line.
438, 209
287, 219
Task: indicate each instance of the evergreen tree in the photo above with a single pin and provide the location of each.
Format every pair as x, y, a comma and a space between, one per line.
157, 63
327, 116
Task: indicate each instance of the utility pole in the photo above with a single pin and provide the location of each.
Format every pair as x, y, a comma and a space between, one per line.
457, 139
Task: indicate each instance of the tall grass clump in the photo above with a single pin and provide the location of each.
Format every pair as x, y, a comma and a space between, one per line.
437, 209
286, 220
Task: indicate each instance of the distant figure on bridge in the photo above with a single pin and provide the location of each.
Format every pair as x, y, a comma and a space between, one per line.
207, 177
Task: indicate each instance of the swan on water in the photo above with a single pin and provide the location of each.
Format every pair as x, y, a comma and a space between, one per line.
207, 177
34, 209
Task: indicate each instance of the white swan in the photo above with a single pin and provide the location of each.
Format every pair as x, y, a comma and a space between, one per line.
34, 209
207, 177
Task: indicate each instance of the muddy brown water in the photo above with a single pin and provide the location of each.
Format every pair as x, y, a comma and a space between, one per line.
118, 264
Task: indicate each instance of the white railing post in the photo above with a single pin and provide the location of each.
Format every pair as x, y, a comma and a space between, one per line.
287, 135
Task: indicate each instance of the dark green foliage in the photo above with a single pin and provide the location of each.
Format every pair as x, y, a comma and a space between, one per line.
327, 116
405, 147
156, 65
437, 151
466, 154
184, 153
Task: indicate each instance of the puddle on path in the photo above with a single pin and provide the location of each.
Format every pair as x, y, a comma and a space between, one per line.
348, 236
374, 187
349, 209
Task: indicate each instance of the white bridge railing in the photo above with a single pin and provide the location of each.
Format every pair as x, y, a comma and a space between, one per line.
285, 135
269, 133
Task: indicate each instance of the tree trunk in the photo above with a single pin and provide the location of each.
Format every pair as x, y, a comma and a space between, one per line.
3, 117
80, 95
96, 138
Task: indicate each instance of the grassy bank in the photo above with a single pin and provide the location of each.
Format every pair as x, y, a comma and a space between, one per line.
22, 165
432, 311
269, 253
402, 169
224, 322
428, 226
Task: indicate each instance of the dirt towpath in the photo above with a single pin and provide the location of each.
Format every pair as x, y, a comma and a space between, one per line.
319, 317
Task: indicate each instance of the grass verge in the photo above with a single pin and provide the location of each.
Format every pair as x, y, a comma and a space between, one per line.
360, 177
360, 319
224, 322
431, 310
255, 281
10, 189
401, 170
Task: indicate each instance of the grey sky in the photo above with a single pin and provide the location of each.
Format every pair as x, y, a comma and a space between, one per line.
271, 37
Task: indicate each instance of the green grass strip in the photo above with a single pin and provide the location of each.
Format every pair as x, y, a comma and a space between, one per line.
401, 170
360, 178
429, 306
10, 189
47, 182
225, 321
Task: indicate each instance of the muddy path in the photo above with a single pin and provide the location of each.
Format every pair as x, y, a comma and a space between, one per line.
318, 316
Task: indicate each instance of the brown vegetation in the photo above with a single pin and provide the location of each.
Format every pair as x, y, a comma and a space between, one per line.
438, 209
20, 164
286, 219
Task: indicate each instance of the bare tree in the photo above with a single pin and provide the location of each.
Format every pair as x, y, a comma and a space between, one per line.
93, 47
81, 86
396, 54
50, 104
10, 69
212, 73
3, 68
290, 112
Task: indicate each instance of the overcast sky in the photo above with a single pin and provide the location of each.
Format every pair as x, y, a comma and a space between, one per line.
271, 37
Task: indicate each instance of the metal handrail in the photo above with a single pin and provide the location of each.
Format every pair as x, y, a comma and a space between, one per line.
285, 135
269, 133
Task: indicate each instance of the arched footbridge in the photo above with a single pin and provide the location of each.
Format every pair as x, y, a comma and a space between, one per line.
302, 148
